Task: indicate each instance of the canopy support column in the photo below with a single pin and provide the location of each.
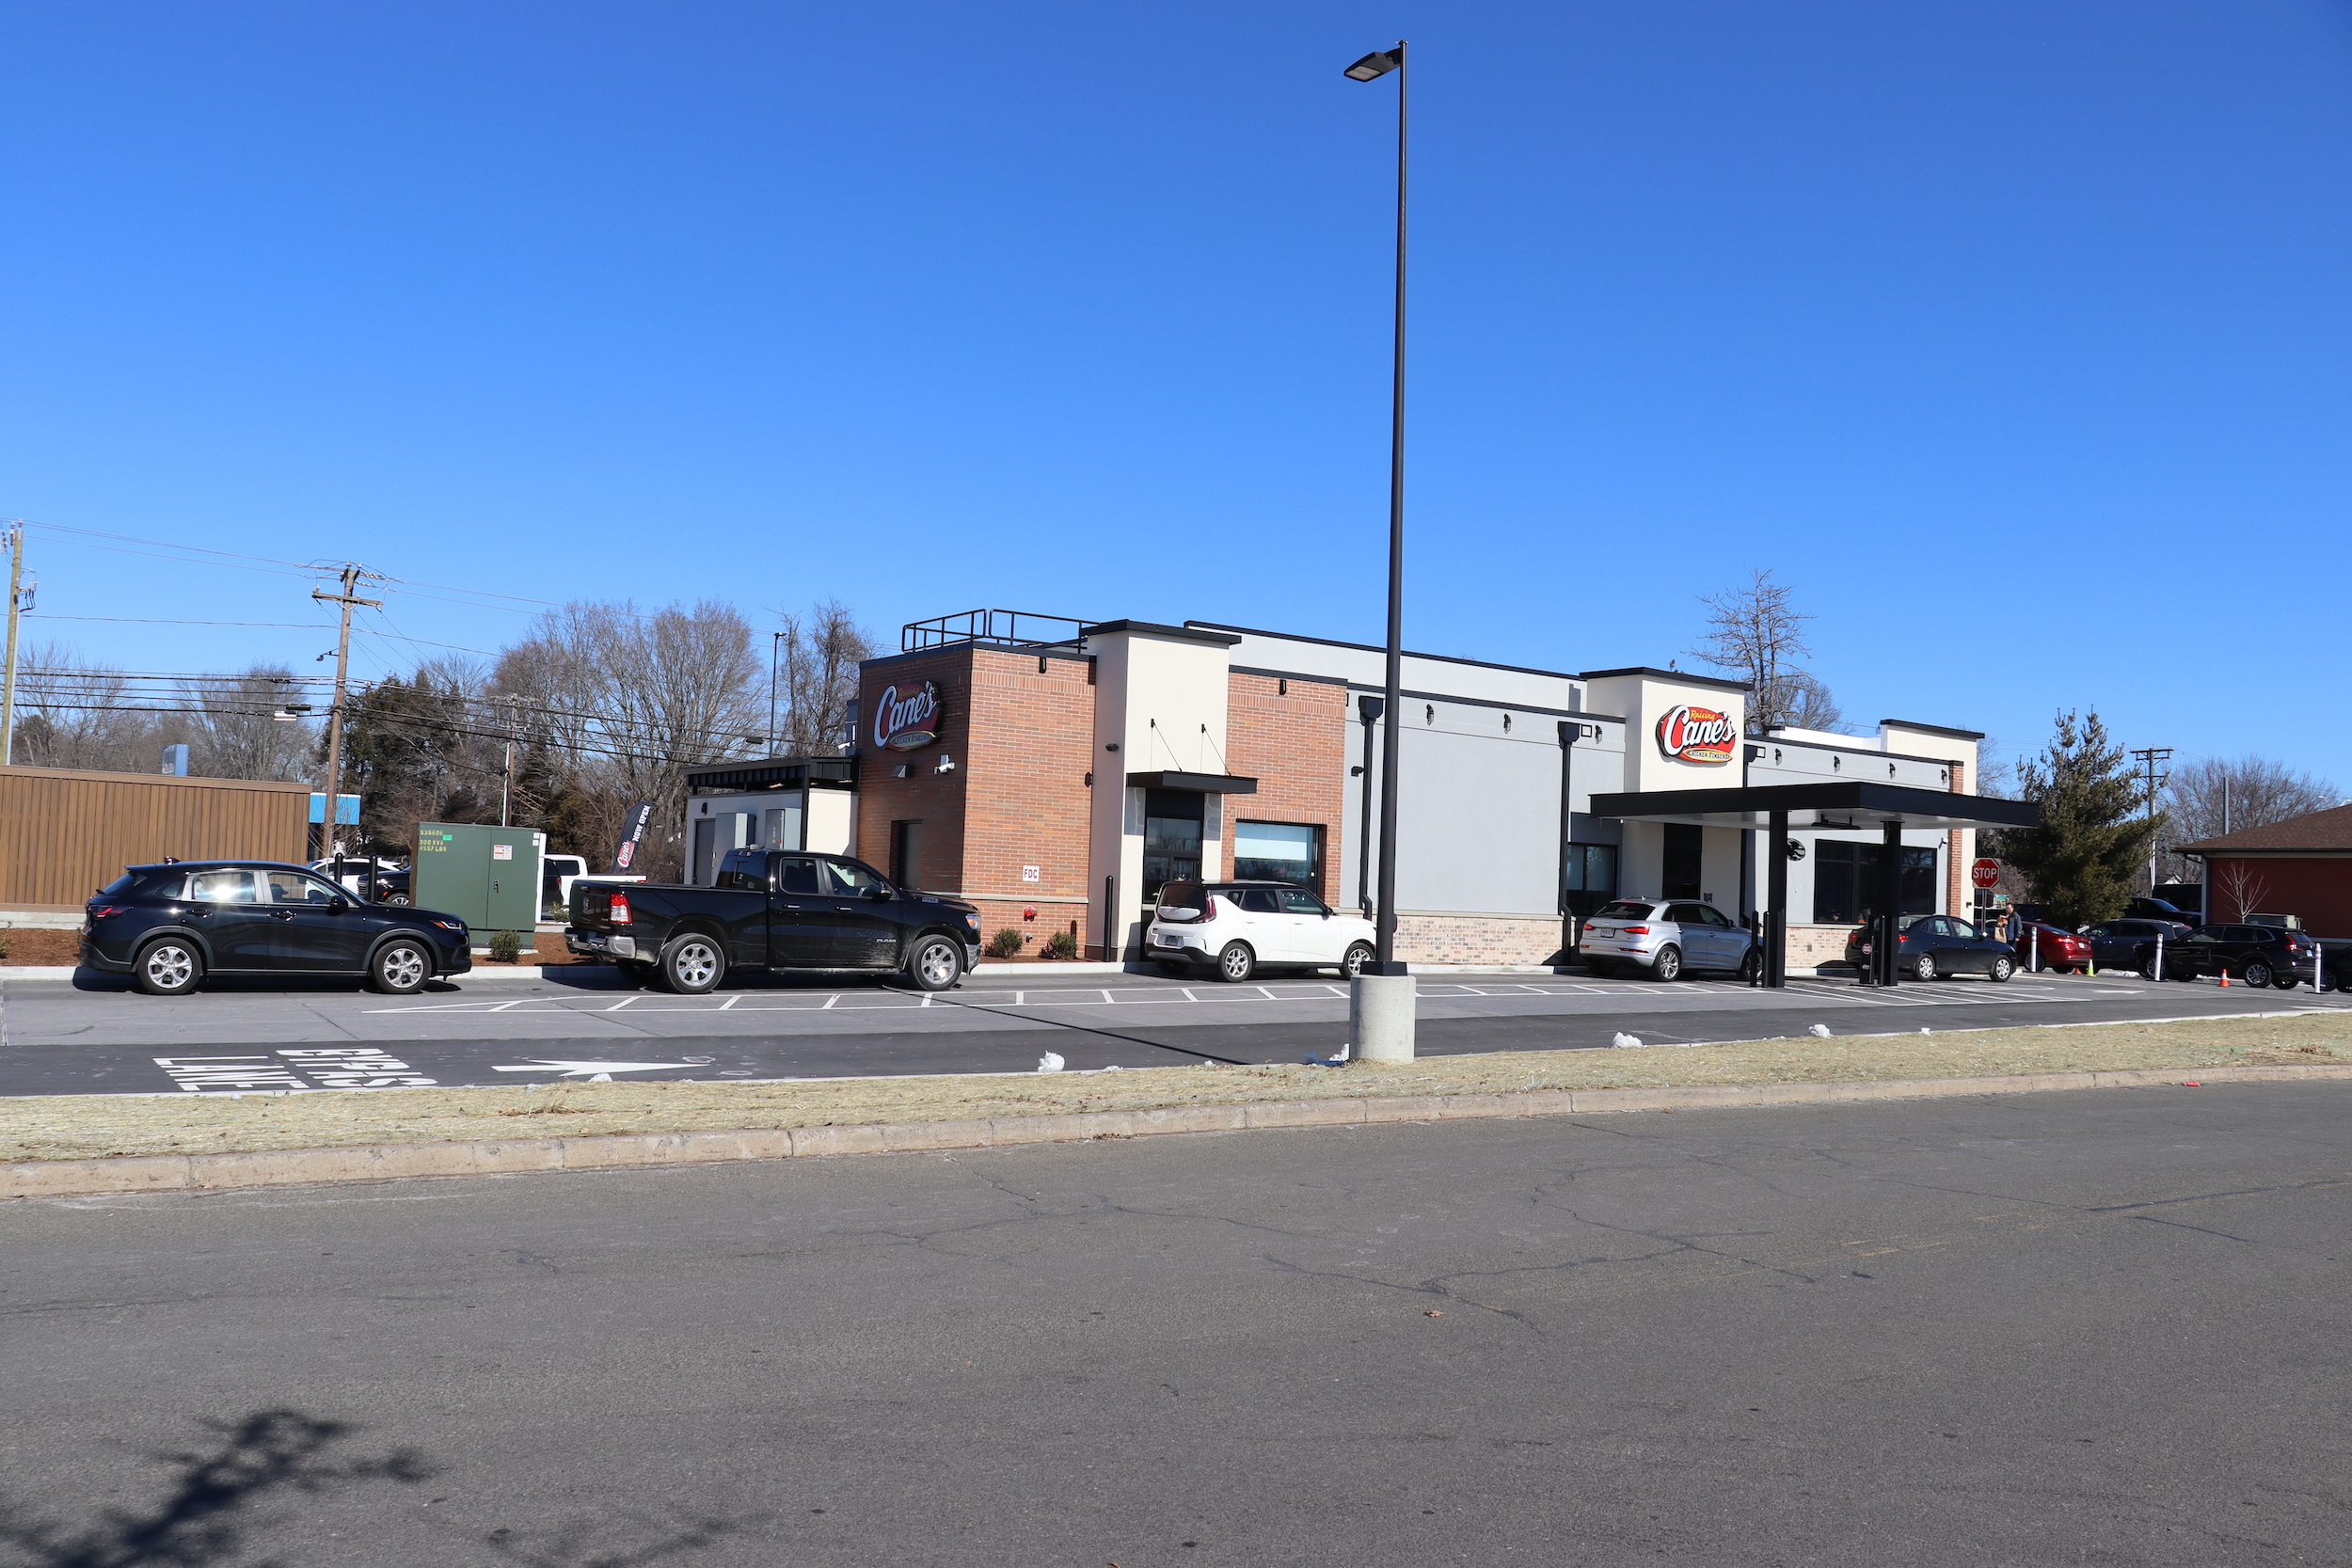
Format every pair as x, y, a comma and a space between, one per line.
1890, 901
1777, 903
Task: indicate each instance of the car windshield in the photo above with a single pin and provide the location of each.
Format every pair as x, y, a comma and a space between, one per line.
1623, 910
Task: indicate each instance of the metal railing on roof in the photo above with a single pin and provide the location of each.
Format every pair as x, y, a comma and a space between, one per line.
1019, 627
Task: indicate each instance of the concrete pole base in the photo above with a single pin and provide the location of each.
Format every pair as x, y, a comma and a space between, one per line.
1380, 1012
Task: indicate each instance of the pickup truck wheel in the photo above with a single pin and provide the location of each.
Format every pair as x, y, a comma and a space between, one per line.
692, 964
935, 964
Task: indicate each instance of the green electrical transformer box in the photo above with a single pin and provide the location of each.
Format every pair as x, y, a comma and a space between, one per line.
489, 878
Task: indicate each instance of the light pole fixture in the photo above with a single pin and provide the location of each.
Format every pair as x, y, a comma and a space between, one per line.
1381, 1004
1371, 67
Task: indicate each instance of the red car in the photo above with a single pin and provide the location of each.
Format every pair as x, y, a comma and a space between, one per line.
2060, 949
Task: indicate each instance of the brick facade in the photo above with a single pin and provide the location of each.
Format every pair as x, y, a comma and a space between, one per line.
1471, 939
1291, 736
1020, 728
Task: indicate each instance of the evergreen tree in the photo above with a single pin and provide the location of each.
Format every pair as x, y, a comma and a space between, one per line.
2093, 839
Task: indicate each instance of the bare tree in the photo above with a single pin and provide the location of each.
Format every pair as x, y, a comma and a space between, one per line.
1760, 635
232, 729
2238, 891
2211, 795
73, 714
622, 702
822, 650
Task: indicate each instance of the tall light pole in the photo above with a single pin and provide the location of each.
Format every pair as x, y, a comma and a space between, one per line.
1371, 67
1380, 1013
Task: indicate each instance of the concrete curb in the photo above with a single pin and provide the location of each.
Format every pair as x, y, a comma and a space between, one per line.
159, 1173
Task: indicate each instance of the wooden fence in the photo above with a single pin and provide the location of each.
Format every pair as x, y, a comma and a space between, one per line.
64, 833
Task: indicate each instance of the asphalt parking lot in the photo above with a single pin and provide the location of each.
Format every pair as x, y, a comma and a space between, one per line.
96, 1036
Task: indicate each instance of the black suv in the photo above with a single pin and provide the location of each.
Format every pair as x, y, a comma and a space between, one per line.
169, 926
2132, 943
2258, 954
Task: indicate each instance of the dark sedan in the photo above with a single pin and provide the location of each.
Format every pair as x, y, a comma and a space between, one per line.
2258, 954
1938, 946
170, 926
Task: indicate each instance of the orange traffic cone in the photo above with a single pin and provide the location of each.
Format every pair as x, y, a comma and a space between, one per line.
2225, 980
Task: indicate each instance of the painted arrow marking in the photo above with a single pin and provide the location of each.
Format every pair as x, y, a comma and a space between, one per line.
595, 1072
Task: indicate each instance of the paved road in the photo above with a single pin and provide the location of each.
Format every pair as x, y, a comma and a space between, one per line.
2105, 1328
58, 1037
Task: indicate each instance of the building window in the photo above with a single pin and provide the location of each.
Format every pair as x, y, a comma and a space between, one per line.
1589, 879
1171, 838
1680, 875
1280, 852
1845, 882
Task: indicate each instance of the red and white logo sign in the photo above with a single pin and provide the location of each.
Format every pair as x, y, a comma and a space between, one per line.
904, 721
1697, 734
1985, 872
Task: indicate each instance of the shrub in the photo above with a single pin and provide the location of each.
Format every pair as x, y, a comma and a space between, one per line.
1061, 944
506, 948
1005, 943
4, 947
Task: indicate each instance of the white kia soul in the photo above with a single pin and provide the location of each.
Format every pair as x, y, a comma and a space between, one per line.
1234, 928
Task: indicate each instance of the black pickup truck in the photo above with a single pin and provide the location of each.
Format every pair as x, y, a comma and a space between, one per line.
775, 909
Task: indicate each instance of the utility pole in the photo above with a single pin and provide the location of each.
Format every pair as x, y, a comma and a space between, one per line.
16, 599
352, 574
2147, 758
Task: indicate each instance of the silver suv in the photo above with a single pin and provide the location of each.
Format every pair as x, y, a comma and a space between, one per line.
1659, 939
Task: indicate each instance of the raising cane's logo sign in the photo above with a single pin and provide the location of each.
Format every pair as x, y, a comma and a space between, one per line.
1697, 734
904, 721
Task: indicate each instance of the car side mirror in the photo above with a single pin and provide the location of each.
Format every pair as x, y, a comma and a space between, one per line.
338, 905
879, 894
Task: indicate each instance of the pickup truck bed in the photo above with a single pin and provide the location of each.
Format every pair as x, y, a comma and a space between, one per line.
775, 910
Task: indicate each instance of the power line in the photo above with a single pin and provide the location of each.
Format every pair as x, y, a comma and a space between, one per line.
155, 621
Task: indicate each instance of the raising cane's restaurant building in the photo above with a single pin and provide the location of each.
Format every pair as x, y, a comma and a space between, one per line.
1057, 772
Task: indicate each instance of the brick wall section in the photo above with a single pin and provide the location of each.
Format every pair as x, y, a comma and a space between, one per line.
1022, 743
938, 801
1295, 744
1032, 745
1437, 939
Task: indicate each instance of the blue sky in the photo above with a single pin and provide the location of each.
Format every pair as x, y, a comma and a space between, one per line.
2015, 337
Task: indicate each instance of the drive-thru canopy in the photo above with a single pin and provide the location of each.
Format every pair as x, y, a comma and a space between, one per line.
1843, 805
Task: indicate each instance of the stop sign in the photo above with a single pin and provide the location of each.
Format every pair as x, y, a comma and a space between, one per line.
1985, 872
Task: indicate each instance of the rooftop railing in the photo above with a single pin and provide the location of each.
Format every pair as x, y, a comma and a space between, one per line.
1019, 627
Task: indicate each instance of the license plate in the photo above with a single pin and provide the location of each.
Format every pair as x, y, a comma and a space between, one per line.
1171, 941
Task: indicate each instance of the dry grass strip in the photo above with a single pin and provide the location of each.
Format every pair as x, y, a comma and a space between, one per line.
89, 1126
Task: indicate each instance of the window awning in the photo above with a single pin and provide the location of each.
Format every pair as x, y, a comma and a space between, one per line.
1839, 806
1207, 784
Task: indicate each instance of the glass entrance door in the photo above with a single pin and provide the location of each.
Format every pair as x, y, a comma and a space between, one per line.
1171, 838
